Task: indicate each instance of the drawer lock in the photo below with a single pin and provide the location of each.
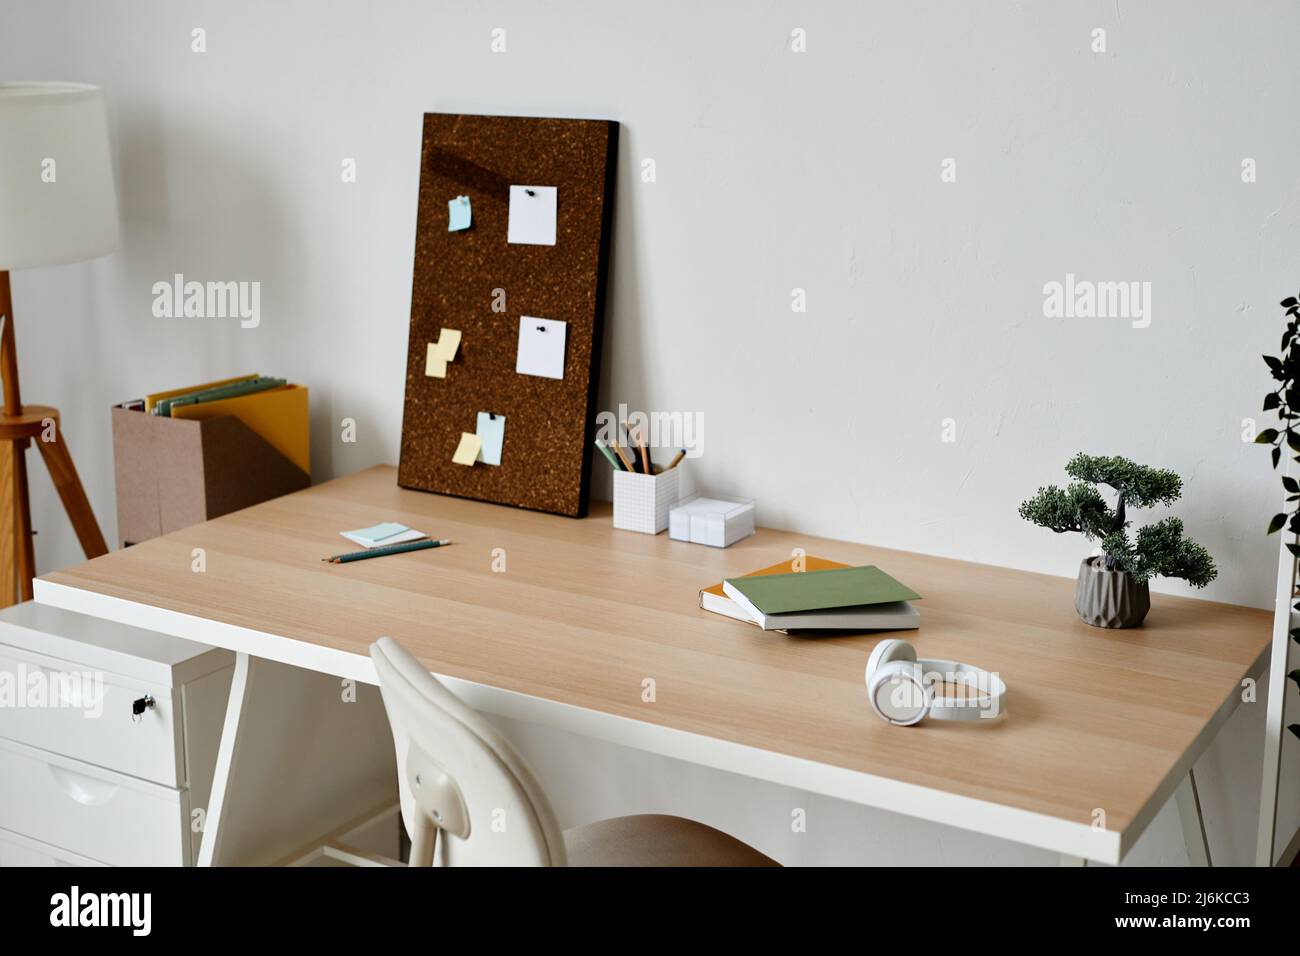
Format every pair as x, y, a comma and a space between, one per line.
140, 705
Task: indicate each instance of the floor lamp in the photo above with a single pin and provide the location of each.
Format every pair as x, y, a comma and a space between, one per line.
58, 204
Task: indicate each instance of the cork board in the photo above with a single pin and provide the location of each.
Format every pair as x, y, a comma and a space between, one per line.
546, 454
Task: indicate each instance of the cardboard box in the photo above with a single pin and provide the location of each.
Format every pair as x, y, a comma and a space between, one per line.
173, 472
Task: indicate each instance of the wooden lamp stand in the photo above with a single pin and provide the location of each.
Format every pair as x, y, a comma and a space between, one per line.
19, 425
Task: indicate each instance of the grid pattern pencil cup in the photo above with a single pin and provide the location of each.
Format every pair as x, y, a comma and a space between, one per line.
642, 502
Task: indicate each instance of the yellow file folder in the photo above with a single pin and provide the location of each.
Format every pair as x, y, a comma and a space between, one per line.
279, 415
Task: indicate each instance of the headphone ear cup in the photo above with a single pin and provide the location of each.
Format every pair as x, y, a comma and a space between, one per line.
890, 649
887, 666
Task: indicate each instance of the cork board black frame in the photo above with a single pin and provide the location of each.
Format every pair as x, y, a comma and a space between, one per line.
476, 282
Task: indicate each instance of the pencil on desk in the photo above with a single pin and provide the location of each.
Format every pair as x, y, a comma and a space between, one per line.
390, 549
677, 459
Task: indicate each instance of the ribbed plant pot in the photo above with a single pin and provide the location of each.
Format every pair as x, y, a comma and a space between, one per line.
1109, 598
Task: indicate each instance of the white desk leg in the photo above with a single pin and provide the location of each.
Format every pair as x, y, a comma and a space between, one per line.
209, 847
1189, 812
301, 754
1067, 860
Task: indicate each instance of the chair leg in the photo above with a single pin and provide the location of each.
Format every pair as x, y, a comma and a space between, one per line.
8, 527
422, 842
1189, 813
22, 505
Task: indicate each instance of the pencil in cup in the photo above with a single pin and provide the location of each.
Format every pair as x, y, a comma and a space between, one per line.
604, 450
386, 550
622, 456
638, 447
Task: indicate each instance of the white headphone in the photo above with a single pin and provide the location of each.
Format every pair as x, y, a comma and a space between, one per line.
901, 687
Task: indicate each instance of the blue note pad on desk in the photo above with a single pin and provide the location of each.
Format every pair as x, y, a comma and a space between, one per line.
382, 535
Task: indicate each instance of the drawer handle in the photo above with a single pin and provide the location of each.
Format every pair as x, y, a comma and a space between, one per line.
84, 789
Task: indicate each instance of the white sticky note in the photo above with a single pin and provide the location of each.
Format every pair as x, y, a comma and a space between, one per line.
492, 430
541, 347
532, 215
468, 449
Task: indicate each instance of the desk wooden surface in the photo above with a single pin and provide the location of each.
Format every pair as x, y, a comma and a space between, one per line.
584, 613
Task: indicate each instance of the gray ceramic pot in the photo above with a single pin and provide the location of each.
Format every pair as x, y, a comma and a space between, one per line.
1109, 598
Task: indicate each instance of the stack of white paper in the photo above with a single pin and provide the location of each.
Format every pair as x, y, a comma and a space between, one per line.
713, 521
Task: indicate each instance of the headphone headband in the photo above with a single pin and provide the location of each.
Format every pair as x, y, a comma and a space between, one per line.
985, 700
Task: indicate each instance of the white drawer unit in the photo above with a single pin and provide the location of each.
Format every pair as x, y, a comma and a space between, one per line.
18, 850
108, 740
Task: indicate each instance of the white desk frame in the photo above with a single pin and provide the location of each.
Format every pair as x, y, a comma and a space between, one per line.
1075, 843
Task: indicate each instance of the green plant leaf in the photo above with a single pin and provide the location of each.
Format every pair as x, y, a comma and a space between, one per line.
1266, 437
1294, 728
1271, 401
1295, 676
1294, 549
1290, 484
1277, 456
1276, 524
1288, 301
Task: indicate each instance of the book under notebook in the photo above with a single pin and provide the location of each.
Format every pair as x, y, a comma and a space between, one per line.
864, 598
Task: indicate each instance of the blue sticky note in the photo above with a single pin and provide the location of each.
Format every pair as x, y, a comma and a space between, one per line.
492, 429
459, 214
381, 531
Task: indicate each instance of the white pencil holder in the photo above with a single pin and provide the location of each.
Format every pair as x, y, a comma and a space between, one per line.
642, 502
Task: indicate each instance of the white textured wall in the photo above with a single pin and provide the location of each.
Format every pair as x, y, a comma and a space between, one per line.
775, 170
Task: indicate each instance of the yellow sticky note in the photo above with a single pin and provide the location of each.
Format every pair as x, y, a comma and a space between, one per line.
434, 367
448, 343
468, 449
441, 352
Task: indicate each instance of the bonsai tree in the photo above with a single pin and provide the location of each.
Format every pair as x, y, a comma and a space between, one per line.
1156, 549
1284, 400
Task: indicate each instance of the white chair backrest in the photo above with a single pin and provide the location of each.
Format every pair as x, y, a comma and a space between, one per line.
459, 777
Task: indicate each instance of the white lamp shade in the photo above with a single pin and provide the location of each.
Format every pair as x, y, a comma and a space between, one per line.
58, 202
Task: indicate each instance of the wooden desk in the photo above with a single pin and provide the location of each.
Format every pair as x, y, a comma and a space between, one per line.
582, 615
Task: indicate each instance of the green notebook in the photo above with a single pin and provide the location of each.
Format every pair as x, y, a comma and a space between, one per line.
822, 590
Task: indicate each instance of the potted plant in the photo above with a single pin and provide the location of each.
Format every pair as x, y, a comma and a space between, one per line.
1284, 401
1112, 589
